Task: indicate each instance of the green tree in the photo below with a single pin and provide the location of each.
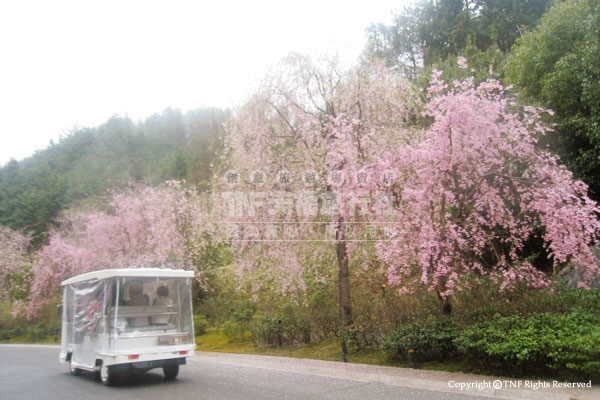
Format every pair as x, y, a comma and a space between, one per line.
558, 65
399, 44
445, 28
501, 22
431, 32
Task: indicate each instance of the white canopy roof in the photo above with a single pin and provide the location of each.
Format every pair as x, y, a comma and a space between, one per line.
133, 272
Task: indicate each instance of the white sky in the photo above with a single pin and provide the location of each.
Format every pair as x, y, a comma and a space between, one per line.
76, 63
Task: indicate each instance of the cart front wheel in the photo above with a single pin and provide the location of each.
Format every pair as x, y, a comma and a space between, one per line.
107, 375
171, 371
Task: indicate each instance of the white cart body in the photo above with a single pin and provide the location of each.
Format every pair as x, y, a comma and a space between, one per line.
103, 325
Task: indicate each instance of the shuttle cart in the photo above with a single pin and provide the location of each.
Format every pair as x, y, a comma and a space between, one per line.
119, 321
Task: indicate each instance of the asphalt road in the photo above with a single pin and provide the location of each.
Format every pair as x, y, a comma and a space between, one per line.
35, 373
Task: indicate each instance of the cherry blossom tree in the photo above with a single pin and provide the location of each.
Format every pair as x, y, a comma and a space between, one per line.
139, 227
14, 262
476, 189
315, 117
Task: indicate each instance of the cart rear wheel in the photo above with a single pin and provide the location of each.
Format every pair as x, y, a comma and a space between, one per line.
171, 371
73, 370
107, 375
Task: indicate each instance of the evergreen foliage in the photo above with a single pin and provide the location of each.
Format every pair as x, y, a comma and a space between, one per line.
87, 162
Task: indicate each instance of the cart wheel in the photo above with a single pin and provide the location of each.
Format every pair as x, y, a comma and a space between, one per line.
171, 371
107, 375
74, 371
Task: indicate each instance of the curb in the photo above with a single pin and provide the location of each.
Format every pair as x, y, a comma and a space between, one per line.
447, 382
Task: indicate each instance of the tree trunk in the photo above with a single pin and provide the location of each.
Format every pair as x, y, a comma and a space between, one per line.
445, 305
344, 279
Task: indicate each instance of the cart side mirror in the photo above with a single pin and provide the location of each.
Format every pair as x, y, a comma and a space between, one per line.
59, 310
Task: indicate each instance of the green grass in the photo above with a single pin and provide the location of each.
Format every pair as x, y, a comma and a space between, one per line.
330, 350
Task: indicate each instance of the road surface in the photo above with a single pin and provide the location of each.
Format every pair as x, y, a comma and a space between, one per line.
34, 373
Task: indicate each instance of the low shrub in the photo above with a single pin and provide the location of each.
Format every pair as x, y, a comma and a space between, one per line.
233, 330
243, 318
267, 331
239, 322
38, 332
361, 335
17, 331
200, 325
284, 328
323, 315
537, 343
430, 339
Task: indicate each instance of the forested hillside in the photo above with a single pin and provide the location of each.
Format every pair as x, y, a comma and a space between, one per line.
88, 161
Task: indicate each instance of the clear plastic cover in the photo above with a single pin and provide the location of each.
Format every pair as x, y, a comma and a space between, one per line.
84, 328
125, 313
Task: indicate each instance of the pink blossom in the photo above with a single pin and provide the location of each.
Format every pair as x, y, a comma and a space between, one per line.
478, 189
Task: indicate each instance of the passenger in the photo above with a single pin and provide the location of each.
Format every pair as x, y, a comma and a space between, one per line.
138, 298
162, 300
